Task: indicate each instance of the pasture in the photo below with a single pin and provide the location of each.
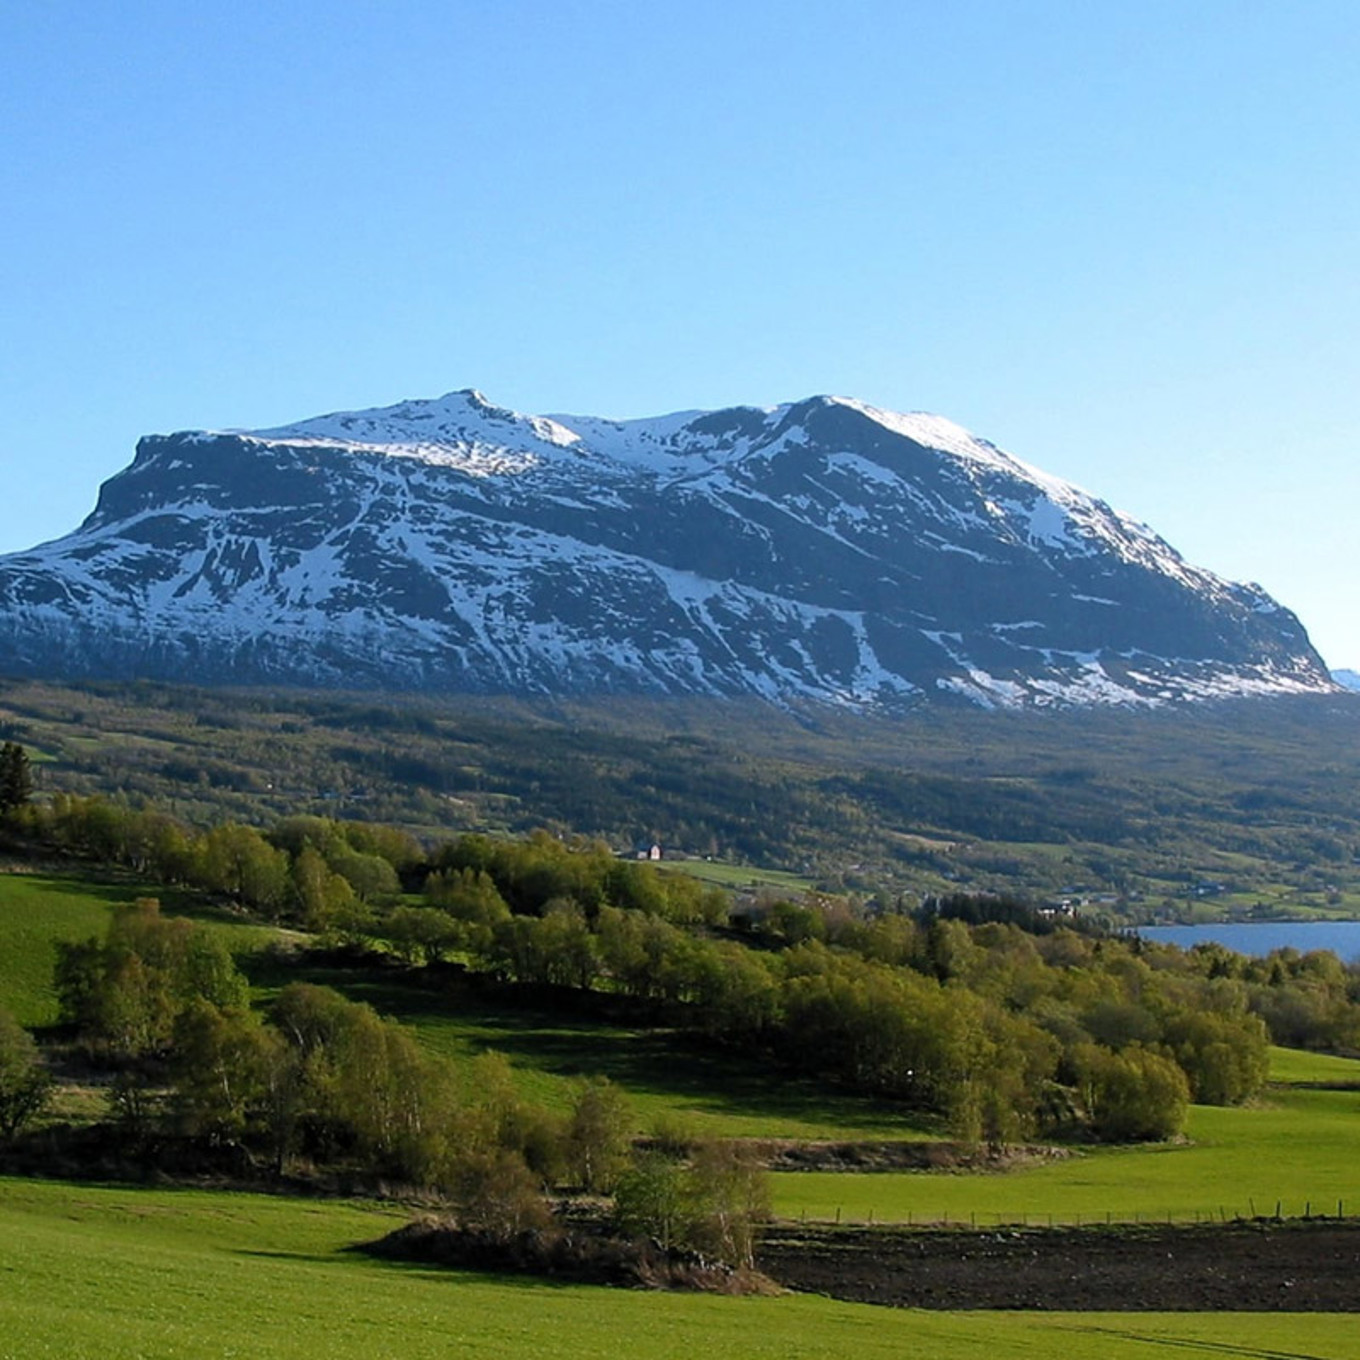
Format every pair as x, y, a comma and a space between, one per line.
1294, 1147
741, 877
35, 912
111, 1274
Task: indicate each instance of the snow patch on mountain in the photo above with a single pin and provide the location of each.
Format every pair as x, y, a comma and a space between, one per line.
823, 549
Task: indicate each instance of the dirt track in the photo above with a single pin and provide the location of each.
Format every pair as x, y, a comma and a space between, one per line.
1258, 1267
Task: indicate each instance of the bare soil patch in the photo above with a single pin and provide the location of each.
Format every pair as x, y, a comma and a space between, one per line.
790, 1154
1259, 1266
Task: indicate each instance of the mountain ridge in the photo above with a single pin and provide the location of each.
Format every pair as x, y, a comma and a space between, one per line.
823, 549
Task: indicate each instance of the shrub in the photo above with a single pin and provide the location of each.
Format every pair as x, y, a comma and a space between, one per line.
24, 1082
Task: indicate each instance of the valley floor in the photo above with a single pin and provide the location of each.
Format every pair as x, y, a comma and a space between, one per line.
93, 1273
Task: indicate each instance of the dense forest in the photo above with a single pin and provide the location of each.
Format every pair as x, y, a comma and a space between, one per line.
1247, 810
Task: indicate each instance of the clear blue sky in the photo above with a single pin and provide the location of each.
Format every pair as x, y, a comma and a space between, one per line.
1118, 239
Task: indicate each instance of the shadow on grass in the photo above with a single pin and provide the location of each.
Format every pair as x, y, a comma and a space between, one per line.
99, 886
646, 1061
361, 1254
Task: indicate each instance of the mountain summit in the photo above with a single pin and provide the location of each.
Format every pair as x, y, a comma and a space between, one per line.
825, 550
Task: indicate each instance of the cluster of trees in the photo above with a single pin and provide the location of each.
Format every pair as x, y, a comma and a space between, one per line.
310, 869
317, 1080
1000, 1031
976, 909
712, 1202
975, 1025
1308, 1000
977, 1010
328, 874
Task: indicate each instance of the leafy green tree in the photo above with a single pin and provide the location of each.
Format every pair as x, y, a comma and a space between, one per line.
728, 1193
793, 922
492, 1115
1132, 1096
653, 1199
1226, 1057
169, 851
737, 994
322, 897
371, 876
471, 899
368, 1086
239, 861
134, 1009
599, 1135
125, 993
421, 934
399, 848
496, 1193
24, 1082
77, 977
220, 1069
567, 947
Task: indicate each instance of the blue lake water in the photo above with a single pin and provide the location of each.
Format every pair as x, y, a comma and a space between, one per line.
1260, 937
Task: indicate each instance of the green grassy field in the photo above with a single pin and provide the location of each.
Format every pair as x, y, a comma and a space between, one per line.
740, 875
1294, 1067
114, 1274
36, 912
1294, 1146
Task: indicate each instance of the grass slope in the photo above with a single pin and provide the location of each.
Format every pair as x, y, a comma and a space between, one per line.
38, 910
114, 1274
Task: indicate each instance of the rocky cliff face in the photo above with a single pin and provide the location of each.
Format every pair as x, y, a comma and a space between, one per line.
823, 550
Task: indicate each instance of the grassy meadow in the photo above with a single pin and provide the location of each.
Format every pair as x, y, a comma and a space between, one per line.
740, 876
35, 912
113, 1274
1294, 1146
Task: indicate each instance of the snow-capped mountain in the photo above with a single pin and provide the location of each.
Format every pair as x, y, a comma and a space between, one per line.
824, 549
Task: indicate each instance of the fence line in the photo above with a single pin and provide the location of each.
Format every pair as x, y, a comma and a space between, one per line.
1283, 1212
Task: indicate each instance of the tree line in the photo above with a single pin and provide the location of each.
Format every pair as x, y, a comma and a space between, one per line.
997, 1024
1001, 802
